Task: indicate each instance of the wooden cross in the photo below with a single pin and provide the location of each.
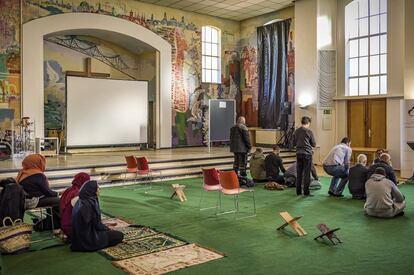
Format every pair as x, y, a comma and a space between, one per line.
88, 71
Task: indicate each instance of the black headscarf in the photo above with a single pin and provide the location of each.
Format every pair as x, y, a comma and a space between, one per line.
88, 196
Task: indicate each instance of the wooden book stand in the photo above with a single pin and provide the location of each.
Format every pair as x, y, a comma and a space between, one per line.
179, 191
326, 232
293, 223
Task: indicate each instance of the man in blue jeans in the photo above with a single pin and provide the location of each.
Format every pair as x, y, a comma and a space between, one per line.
336, 164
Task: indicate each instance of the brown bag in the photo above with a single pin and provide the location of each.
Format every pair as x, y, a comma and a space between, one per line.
16, 237
274, 186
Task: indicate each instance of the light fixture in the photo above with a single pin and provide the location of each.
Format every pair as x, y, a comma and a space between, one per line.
304, 100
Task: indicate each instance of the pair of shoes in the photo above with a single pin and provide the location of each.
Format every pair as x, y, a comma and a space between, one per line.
331, 193
298, 194
338, 195
400, 214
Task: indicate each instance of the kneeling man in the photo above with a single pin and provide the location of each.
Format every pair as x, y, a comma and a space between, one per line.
384, 199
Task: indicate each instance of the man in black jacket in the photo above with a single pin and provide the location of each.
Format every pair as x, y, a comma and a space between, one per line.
358, 177
240, 145
304, 141
384, 162
273, 165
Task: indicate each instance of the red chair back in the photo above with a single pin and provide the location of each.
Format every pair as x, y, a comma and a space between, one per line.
131, 162
142, 163
229, 180
210, 176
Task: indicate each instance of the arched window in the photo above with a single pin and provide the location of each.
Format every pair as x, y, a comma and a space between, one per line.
211, 52
366, 47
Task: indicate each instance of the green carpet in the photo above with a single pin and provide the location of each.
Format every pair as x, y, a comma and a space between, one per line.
252, 246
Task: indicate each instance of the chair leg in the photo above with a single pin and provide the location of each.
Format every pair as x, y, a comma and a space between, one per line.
201, 199
219, 201
254, 204
51, 216
41, 218
235, 207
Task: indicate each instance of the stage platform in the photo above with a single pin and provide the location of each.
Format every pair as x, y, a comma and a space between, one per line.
109, 167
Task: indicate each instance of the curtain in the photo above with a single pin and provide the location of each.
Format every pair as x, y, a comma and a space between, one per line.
272, 42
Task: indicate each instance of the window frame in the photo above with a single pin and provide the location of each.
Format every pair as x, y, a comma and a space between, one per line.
204, 56
368, 55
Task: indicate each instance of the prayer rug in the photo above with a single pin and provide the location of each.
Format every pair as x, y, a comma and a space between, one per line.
136, 232
115, 223
105, 216
168, 260
141, 246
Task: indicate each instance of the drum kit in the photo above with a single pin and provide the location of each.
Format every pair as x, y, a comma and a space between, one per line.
22, 141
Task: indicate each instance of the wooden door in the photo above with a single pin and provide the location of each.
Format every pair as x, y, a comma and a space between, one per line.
377, 123
357, 122
367, 122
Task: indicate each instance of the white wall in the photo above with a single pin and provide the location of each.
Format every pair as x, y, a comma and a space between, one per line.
407, 128
32, 53
306, 59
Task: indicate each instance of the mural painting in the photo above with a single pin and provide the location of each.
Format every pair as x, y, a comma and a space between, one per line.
9, 64
185, 39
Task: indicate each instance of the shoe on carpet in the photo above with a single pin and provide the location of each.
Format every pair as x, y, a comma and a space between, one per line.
330, 193
338, 195
400, 214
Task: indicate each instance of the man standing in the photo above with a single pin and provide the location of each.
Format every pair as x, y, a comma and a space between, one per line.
336, 164
304, 140
240, 146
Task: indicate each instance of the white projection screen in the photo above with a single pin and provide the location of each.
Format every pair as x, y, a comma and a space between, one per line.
105, 112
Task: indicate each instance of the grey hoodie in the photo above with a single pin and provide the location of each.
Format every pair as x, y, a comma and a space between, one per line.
381, 193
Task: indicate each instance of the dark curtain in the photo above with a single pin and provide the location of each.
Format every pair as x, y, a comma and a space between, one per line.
272, 42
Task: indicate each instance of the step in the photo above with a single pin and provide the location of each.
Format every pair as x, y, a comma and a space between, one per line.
114, 174
126, 179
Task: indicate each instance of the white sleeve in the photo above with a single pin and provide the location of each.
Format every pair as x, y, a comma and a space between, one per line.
74, 201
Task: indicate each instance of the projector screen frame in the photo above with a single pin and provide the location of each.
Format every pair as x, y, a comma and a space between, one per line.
103, 145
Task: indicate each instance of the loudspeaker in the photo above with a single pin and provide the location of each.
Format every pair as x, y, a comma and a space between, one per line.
287, 108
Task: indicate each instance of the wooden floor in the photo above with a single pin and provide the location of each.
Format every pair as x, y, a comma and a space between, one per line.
107, 158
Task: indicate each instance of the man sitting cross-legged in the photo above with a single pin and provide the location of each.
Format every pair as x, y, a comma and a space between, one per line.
384, 199
385, 163
274, 165
257, 165
358, 175
291, 174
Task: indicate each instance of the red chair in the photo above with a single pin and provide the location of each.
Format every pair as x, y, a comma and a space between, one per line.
210, 184
145, 170
230, 187
132, 167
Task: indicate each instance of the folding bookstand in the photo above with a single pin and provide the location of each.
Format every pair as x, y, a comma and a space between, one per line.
326, 232
293, 223
179, 191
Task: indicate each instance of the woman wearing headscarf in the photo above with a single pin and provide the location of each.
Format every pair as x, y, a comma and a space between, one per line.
34, 182
68, 200
88, 232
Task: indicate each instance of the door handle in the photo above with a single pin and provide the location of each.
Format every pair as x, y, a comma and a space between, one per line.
369, 133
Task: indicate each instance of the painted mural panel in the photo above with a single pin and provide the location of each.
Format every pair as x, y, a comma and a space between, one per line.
9, 63
183, 31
